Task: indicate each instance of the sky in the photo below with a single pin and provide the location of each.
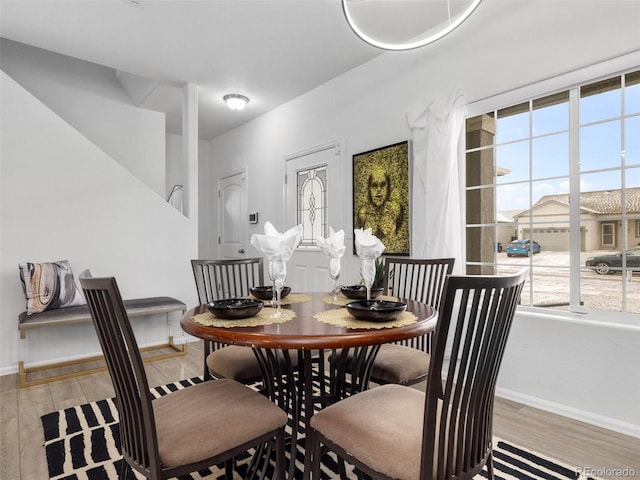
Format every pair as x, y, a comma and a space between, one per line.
601, 148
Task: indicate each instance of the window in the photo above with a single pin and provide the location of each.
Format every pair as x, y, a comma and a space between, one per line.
312, 204
608, 234
563, 171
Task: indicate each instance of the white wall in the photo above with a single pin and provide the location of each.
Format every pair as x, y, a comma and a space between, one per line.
523, 43
584, 367
175, 176
61, 197
90, 97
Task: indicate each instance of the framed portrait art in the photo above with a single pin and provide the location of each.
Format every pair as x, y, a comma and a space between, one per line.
381, 195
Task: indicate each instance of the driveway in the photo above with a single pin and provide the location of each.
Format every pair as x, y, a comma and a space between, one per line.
551, 282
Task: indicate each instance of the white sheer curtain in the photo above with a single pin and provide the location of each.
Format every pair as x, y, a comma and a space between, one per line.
436, 218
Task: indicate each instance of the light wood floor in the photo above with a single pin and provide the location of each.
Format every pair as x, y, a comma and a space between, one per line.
22, 455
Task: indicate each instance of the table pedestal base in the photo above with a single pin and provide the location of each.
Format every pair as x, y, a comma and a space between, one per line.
318, 378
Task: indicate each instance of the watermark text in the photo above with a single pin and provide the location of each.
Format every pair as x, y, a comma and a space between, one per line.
626, 472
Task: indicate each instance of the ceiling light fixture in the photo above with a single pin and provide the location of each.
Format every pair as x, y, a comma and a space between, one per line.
235, 101
442, 30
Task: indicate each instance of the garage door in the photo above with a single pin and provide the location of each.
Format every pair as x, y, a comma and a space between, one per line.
550, 239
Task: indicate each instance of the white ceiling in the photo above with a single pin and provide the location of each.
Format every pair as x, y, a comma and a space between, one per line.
270, 51
275, 50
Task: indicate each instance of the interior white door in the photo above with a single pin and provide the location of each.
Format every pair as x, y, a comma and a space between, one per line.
308, 269
232, 216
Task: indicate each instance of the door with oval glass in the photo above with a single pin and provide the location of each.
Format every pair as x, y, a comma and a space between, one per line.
232, 216
315, 198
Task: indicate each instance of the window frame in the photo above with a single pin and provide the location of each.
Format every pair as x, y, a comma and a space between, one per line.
564, 82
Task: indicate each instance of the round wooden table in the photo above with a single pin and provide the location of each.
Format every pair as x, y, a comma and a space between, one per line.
306, 339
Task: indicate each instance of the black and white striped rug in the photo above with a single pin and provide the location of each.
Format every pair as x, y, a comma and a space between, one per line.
82, 443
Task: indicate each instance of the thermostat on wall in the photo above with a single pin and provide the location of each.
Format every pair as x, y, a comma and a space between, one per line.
253, 217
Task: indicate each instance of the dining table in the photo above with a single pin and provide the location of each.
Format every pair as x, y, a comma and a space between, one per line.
314, 354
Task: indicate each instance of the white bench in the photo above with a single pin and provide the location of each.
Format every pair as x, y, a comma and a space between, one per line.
139, 307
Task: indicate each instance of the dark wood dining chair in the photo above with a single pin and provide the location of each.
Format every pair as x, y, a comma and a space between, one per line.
218, 280
184, 431
445, 433
407, 362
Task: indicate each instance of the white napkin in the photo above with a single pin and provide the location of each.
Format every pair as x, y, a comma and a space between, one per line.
367, 244
276, 245
368, 248
333, 247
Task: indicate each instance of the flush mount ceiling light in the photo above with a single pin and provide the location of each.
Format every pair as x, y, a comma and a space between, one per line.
397, 26
235, 101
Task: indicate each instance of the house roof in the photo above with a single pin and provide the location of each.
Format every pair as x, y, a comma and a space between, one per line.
501, 217
601, 202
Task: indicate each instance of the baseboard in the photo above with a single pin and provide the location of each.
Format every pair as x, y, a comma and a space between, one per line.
613, 424
13, 369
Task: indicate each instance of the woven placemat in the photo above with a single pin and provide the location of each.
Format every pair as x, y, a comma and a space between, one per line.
296, 298
291, 298
262, 318
341, 301
340, 317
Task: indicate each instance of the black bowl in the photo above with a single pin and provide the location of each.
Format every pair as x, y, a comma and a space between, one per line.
376, 310
359, 292
265, 292
235, 308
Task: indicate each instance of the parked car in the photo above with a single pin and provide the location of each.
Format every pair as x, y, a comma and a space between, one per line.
605, 264
522, 247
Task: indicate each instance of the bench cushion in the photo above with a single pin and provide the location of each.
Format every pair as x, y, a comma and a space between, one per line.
78, 314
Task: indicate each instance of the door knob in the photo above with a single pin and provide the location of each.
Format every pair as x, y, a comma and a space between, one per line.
241, 250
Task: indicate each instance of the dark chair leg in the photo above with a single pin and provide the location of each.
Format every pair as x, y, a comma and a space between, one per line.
228, 468
280, 458
124, 467
315, 457
490, 466
342, 467
207, 350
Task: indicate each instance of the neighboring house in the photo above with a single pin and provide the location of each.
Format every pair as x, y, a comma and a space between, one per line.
601, 225
507, 226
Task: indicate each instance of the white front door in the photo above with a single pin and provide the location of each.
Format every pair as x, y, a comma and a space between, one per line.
232, 216
308, 269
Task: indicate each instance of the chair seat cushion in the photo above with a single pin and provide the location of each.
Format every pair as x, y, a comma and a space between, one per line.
237, 363
240, 415
400, 364
381, 427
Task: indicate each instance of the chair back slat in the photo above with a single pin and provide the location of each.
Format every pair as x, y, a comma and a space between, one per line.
420, 279
474, 321
122, 356
220, 279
